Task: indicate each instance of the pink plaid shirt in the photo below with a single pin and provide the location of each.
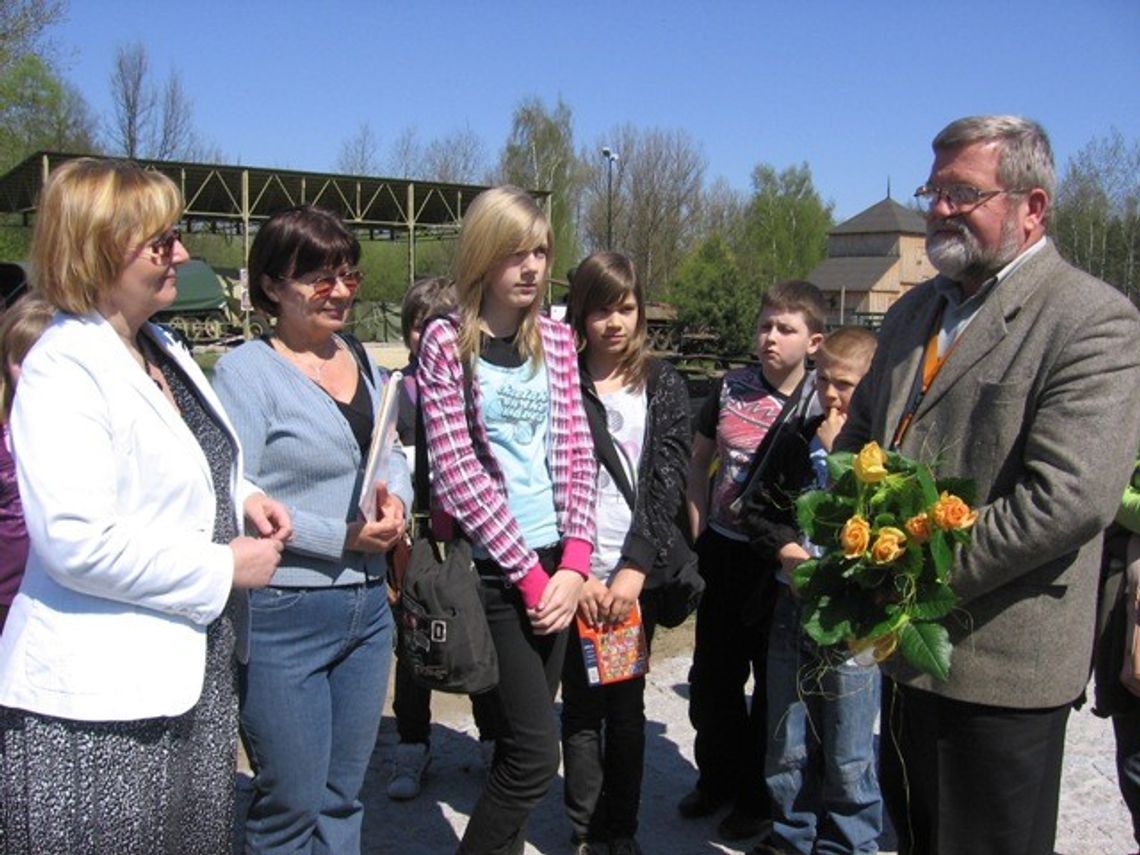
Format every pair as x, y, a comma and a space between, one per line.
468, 483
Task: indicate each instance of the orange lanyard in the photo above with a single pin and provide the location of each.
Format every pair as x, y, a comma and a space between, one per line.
931, 364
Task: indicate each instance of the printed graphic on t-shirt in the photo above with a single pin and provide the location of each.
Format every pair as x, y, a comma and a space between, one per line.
517, 411
748, 407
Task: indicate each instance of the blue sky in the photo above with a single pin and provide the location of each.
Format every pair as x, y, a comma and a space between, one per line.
856, 89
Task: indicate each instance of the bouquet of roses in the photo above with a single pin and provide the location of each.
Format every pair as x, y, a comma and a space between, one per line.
887, 528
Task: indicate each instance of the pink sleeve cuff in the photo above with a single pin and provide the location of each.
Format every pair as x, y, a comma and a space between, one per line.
532, 585
576, 556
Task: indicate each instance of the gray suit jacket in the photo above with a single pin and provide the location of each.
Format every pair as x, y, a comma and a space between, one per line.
1040, 404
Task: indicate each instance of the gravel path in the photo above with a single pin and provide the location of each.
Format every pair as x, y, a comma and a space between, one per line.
1093, 821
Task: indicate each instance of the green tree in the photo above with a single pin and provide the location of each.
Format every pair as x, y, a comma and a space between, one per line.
38, 111
539, 155
783, 231
710, 295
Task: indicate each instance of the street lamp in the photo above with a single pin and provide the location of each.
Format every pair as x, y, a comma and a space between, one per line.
610, 155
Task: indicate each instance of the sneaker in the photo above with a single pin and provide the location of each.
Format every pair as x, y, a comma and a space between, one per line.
408, 769
624, 846
698, 803
741, 824
585, 847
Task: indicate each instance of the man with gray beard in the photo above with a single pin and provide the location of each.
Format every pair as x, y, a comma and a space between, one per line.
1018, 371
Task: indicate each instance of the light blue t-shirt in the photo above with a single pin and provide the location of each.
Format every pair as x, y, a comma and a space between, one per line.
516, 411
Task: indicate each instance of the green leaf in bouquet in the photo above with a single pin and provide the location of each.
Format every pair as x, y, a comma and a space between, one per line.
821, 514
891, 620
884, 519
803, 575
964, 488
929, 487
910, 498
911, 561
941, 554
829, 622
838, 465
927, 647
869, 577
933, 602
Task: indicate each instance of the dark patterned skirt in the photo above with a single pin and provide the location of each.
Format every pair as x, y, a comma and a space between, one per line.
159, 785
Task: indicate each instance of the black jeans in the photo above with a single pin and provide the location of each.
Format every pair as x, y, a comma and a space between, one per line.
967, 779
603, 771
412, 706
734, 619
1126, 726
526, 750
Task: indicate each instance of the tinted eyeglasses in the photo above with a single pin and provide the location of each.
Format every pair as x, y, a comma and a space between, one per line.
960, 197
324, 281
164, 243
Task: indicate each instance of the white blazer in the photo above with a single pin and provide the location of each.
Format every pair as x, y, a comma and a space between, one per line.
122, 575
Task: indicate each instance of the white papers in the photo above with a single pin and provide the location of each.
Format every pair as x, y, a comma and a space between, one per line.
383, 438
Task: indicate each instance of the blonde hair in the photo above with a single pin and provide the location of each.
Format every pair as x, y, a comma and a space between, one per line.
20, 327
91, 213
500, 222
604, 280
849, 344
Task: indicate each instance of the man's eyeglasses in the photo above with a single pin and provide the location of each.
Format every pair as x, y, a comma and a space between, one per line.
324, 281
164, 243
959, 197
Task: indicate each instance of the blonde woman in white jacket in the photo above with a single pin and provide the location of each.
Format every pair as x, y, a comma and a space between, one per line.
118, 704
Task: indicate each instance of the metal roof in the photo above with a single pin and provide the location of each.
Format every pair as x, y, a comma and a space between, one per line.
885, 217
221, 194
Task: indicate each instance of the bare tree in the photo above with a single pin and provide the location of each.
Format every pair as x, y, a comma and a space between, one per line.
656, 198
405, 159
360, 153
147, 121
458, 158
133, 100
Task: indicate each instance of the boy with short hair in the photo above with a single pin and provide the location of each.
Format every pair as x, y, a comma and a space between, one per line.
820, 763
738, 423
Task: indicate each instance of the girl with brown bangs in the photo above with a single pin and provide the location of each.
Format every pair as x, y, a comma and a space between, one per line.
638, 409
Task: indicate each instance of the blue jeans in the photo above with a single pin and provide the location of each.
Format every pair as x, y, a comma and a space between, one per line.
312, 698
820, 765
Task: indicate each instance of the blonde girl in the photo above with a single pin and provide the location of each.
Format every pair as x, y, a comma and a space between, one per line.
516, 473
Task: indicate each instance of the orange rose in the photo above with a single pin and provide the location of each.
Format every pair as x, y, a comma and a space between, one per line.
855, 537
918, 528
889, 544
870, 464
950, 512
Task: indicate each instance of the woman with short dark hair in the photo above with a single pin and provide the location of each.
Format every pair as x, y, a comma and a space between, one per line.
303, 399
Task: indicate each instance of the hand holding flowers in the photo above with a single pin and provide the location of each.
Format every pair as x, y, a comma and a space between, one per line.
889, 530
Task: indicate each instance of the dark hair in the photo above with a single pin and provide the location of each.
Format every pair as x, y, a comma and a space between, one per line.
797, 295
601, 281
427, 297
851, 343
294, 242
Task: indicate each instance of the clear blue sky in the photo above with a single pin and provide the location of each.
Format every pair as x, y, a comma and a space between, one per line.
856, 89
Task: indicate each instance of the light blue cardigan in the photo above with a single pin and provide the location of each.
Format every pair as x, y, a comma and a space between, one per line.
300, 450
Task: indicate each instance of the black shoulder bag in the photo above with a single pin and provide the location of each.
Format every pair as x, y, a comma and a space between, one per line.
443, 637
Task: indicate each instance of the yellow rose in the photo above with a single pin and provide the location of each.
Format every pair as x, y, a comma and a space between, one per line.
889, 544
918, 527
870, 464
855, 537
950, 512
